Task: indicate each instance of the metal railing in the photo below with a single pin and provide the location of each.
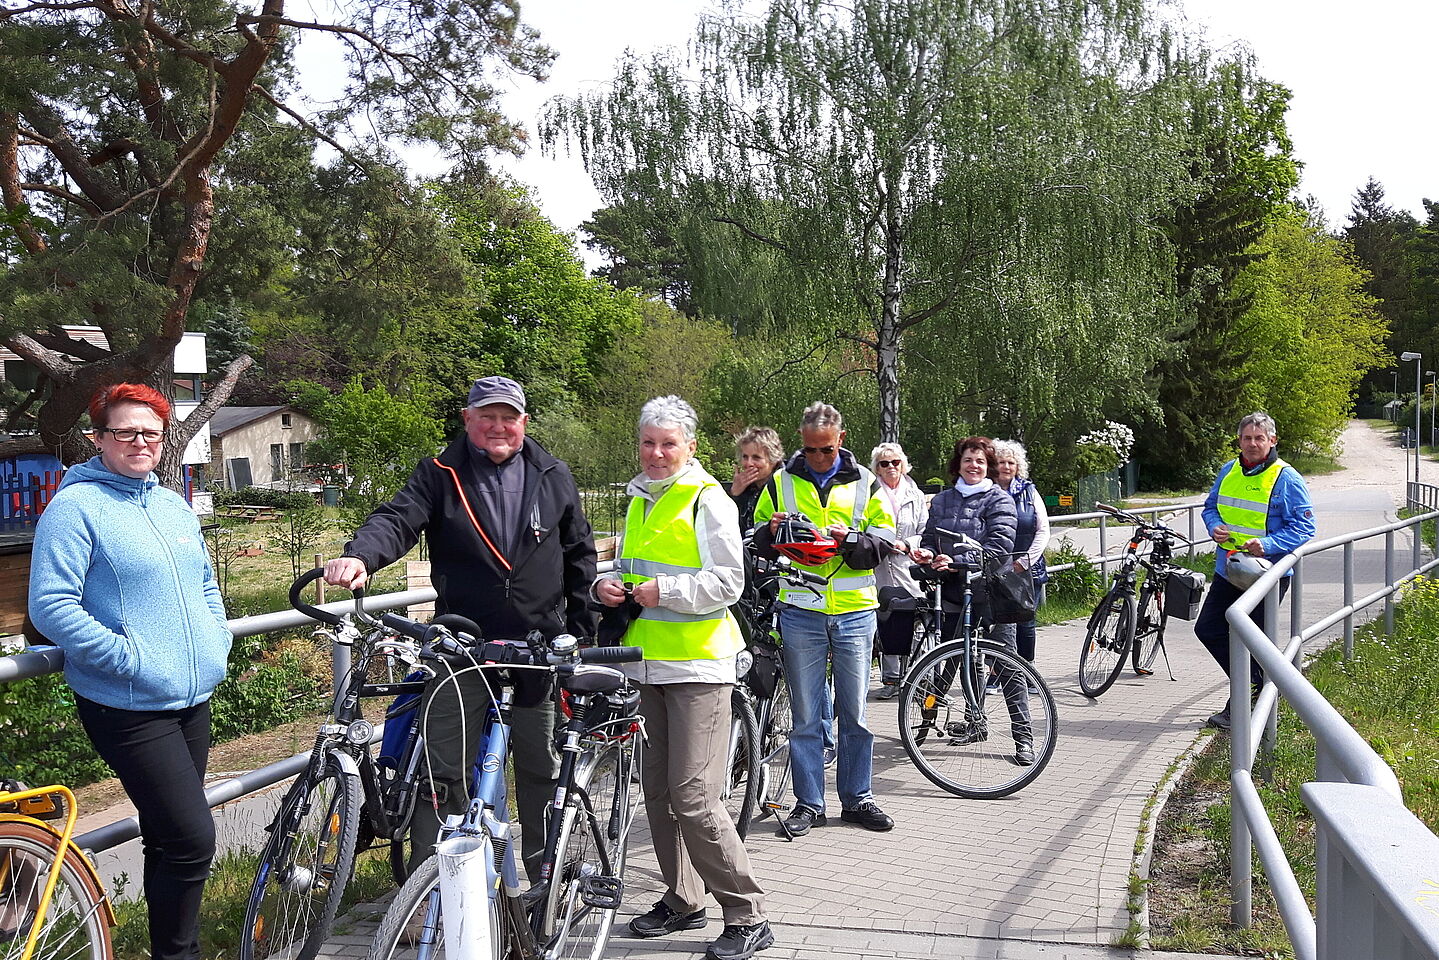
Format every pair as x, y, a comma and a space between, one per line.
1372, 852
39, 661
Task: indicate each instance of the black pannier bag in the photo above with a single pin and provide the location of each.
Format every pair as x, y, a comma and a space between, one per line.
1183, 592
1012, 596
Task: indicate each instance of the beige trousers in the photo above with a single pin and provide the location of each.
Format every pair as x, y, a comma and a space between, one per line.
688, 725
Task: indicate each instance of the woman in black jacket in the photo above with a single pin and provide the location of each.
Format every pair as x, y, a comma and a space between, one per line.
979, 508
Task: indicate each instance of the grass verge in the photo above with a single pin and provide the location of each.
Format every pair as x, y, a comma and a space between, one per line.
1390, 693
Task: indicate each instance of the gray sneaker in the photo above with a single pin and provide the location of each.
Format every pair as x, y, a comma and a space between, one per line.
888, 692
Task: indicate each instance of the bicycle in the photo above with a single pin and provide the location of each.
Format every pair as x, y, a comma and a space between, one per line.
762, 693
947, 714
343, 799
1118, 630
49, 889
570, 911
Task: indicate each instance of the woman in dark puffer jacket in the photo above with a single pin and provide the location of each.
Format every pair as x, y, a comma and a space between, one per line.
979, 508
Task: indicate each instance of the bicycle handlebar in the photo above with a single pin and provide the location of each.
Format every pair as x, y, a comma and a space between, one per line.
313, 612
1143, 525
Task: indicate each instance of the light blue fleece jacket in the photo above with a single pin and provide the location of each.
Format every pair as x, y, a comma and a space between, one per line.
120, 581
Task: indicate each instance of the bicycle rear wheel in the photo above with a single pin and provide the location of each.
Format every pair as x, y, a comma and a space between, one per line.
1154, 618
304, 868
1106, 642
774, 750
76, 924
742, 785
968, 744
574, 928
414, 925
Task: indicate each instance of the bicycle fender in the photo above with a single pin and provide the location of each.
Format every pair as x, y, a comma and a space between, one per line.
89, 867
348, 765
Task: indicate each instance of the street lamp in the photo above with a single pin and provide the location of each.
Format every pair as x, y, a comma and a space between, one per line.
1418, 401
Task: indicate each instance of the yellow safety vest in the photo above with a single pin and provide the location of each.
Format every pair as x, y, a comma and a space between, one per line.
665, 542
854, 504
1244, 502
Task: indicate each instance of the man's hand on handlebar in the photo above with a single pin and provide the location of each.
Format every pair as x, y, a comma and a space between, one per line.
347, 572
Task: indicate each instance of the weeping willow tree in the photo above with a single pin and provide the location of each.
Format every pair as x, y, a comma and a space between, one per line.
962, 191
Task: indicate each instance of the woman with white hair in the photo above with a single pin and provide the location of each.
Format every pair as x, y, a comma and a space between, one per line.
906, 502
680, 559
1032, 535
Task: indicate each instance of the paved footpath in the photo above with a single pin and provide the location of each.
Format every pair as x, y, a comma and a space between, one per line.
1039, 875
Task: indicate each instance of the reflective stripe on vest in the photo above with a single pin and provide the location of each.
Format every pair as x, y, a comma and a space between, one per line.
662, 541
848, 589
1243, 502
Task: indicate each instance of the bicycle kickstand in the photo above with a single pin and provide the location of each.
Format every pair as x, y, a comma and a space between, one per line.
1167, 666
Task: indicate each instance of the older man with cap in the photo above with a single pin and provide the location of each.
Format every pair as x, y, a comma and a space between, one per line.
510, 549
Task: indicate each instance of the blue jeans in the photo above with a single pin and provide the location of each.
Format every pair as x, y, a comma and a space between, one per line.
812, 640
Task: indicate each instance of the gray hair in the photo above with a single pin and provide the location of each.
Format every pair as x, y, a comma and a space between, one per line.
1015, 449
763, 437
670, 411
1261, 420
889, 451
819, 415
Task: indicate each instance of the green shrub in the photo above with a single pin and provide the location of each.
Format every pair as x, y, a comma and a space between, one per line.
265, 497
41, 740
1081, 583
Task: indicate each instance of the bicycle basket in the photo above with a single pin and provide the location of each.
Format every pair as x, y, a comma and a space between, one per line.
1183, 592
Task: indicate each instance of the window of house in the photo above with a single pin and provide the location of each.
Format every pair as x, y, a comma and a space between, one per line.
297, 457
187, 388
238, 471
277, 461
285, 421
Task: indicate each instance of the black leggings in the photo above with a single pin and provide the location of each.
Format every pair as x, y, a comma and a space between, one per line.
159, 756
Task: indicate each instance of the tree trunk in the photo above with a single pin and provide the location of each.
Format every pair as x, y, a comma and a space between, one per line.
887, 330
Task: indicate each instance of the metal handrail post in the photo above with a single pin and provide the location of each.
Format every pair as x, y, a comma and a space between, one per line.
1104, 551
1191, 512
1241, 893
1389, 580
1349, 601
1418, 535
1271, 718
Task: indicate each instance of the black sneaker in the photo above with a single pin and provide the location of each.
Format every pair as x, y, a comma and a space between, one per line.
662, 920
801, 819
1024, 754
1220, 720
868, 815
740, 942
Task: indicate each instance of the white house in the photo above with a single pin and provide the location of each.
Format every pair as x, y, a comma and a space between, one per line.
259, 446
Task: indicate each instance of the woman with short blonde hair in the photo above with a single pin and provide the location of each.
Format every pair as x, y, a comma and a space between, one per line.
906, 502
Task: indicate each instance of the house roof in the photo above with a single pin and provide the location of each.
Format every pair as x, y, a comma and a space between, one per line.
230, 418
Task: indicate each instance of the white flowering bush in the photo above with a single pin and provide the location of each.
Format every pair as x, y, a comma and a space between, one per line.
1114, 436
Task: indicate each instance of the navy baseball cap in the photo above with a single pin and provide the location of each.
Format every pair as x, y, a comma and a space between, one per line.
488, 390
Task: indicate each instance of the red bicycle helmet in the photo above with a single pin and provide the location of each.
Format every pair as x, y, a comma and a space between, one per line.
802, 542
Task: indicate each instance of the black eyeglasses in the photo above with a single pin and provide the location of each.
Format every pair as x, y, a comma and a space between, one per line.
891, 463
824, 450
128, 436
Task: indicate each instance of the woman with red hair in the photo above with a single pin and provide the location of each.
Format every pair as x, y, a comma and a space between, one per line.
120, 581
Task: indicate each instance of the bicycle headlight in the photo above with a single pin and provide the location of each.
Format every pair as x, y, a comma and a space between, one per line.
742, 662
360, 732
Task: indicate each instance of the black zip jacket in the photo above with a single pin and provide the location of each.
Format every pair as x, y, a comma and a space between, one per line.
542, 585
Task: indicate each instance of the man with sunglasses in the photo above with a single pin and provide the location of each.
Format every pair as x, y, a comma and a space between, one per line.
833, 624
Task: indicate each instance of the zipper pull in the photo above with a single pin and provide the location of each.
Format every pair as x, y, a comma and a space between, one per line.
507, 588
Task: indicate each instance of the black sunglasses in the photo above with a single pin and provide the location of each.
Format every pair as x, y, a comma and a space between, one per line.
824, 450
891, 463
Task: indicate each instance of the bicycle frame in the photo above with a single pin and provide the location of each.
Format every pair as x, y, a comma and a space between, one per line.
24, 798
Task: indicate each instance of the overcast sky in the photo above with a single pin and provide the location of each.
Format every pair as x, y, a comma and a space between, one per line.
1361, 75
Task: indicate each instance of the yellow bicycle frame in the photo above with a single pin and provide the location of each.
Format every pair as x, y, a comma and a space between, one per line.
41, 800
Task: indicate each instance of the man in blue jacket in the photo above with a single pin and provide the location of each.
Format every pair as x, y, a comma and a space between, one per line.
1258, 505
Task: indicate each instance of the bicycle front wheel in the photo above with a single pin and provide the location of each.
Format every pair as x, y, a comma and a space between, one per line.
305, 867
774, 750
970, 742
76, 923
741, 789
414, 925
578, 915
1106, 642
1154, 619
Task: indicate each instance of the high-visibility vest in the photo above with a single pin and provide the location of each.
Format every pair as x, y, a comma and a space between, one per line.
1244, 502
664, 542
853, 504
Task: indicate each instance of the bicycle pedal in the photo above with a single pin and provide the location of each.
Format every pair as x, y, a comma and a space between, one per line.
602, 893
963, 734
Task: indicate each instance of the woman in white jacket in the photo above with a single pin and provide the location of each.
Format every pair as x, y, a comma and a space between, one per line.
907, 503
